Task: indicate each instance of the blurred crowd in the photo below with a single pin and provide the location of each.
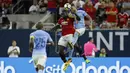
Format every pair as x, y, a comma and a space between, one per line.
5, 8
106, 14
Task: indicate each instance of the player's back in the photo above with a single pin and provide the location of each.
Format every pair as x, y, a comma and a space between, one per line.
81, 24
40, 40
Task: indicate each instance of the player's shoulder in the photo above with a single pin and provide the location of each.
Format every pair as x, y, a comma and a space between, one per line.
44, 32
32, 33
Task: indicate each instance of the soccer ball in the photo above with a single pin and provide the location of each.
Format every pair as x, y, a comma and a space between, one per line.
67, 5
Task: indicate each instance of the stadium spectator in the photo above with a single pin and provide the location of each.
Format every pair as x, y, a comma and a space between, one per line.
52, 5
123, 19
101, 13
34, 9
111, 12
120, 5
105, 25
78, 1
94, 1
3, 12
70, 1
42, 6
90, 48
62, 2
14, 50
89, 8
97, 4
128, 26
103, 53
126, 6
4, 9
6, 1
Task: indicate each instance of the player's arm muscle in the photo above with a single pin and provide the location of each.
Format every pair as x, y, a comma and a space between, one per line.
77, 17
31, 43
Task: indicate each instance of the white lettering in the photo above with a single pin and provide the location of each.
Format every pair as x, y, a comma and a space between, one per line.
6, 69
84, 69
122, 35
91, 68
116, 68
109, 44
9, 68
49, 69
73, 67
125, 68
90, 34
102, 68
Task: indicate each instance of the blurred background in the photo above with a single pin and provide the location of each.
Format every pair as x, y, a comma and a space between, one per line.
19, 17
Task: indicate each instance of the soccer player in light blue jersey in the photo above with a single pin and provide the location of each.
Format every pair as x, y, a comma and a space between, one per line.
80, 28
38, 41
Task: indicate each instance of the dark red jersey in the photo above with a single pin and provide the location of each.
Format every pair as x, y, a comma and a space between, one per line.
67, 26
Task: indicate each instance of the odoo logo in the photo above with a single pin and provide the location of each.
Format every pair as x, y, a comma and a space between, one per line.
89, 69
6, 69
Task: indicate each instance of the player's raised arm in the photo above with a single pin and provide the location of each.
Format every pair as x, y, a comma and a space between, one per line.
31, 43
74, 12
89, 18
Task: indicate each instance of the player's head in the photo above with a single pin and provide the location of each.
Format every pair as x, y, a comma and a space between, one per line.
67, 7
78, 5
90, 39
14, 43
39, 26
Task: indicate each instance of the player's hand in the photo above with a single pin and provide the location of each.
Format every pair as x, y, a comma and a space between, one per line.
73, 9
71, 15
49, 43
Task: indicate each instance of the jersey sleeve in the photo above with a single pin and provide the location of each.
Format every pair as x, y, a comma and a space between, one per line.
60, 21
84, 13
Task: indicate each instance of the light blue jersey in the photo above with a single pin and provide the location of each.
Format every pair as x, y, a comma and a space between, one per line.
81, 24
40, 40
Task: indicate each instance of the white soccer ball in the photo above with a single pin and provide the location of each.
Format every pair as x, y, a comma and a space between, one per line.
67, 5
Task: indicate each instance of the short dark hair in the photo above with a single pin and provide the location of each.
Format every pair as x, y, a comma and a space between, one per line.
90, 38
13, 41
39, 25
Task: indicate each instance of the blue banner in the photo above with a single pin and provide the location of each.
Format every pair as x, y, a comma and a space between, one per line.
16, 65
55, 65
